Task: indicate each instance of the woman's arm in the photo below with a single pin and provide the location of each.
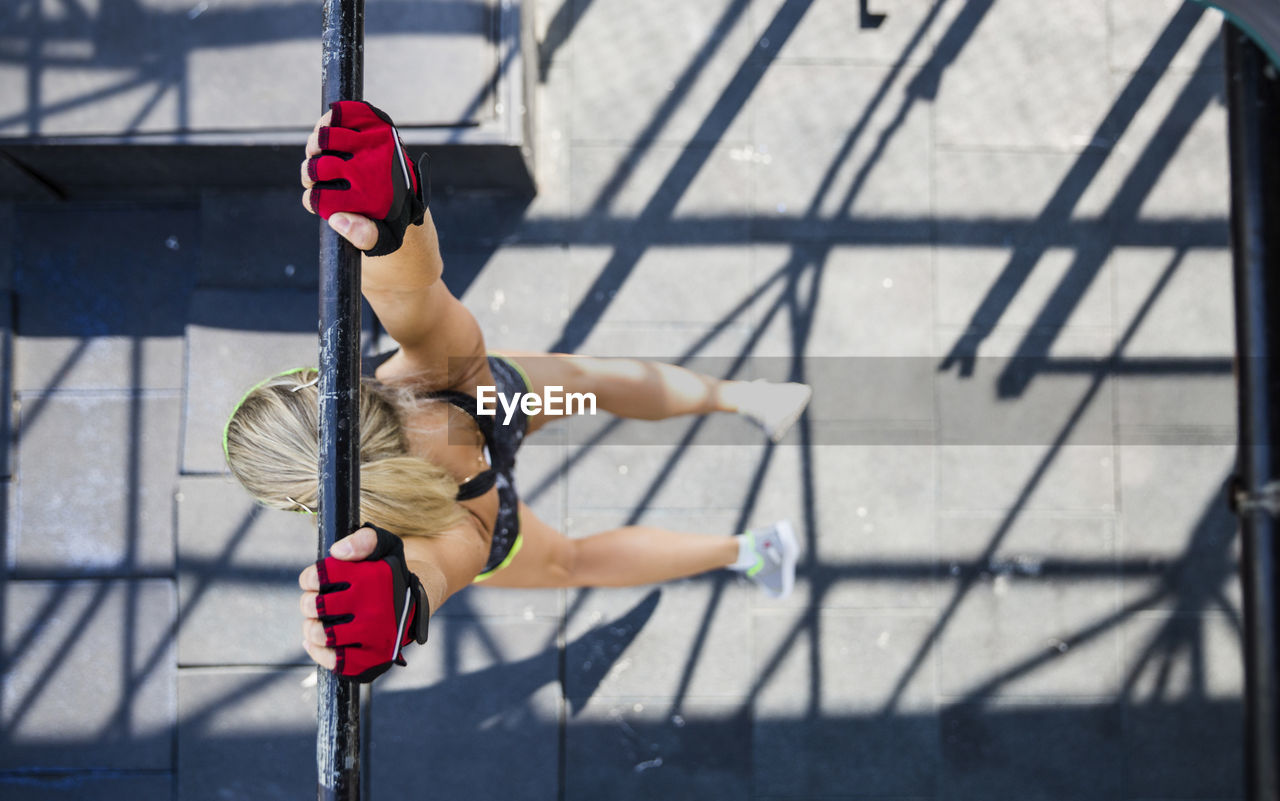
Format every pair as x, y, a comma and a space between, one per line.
444, 564
440, 341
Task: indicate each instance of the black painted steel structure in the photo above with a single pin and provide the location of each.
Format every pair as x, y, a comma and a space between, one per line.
1253, 102
338, 704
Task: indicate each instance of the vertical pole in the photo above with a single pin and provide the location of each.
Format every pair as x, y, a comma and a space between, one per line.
1253, 116
338, 703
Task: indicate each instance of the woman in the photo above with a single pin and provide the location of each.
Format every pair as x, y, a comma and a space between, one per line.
435, 469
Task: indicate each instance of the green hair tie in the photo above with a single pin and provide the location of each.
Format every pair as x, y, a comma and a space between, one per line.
227, 428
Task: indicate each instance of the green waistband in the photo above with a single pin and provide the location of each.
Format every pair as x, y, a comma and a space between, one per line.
515, 549
528, 385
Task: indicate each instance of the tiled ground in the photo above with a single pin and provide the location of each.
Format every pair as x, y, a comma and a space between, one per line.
1019, 579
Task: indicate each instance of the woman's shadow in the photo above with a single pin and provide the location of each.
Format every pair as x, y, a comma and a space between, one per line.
498, 725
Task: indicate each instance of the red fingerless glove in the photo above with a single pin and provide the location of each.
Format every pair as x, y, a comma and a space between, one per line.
371, 609
364, 169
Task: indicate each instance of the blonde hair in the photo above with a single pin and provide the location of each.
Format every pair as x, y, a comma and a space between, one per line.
272, 447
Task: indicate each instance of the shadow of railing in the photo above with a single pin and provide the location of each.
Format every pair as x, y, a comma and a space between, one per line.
156, 44
878, 750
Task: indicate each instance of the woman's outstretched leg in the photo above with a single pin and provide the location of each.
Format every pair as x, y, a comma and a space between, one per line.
633, 555
644, 390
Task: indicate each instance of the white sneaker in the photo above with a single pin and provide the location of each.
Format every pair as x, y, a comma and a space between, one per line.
775, 407
776, 554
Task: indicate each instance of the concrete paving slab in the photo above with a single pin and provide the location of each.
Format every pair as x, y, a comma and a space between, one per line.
689, 637
868, 538
20, 183
1189, 747
1023, 201
258, 240
238, 566
60, 634
824, 678
877, 797
675, 60
586, 523
460, 40
1036, 616
853, 302
860, 400
830, 30
553, 102
518, 294
1178, 304
103, 307
481, 602
1158, 667
8, 234
834, 145
820, 663
158, 67
234, 340
1030, 388
476, 686
1171, 161
65, 103
106, 363
1187, 706
1173, 516
967, 276
689, 284
1005, 747
628, 200
246, 733
1135, 37
6, 381
785, 495
624, 476
978, 478
984, 44
479, 220
1175, 410
820, 757
126, 787
666, 343
96, 481
647, 747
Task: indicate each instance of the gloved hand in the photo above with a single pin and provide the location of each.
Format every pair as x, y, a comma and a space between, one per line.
369, 609
358, 164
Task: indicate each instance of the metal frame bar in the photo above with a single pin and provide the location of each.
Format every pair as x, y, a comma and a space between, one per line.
1253, 114
338, 701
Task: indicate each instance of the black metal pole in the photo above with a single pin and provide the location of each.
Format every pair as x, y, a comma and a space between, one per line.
1253, 115
338, 705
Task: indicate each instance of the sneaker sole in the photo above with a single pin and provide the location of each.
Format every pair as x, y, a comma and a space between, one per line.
790, 553
784, 425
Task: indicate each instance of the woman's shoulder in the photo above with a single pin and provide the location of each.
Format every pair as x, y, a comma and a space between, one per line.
462, 374
440, 433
